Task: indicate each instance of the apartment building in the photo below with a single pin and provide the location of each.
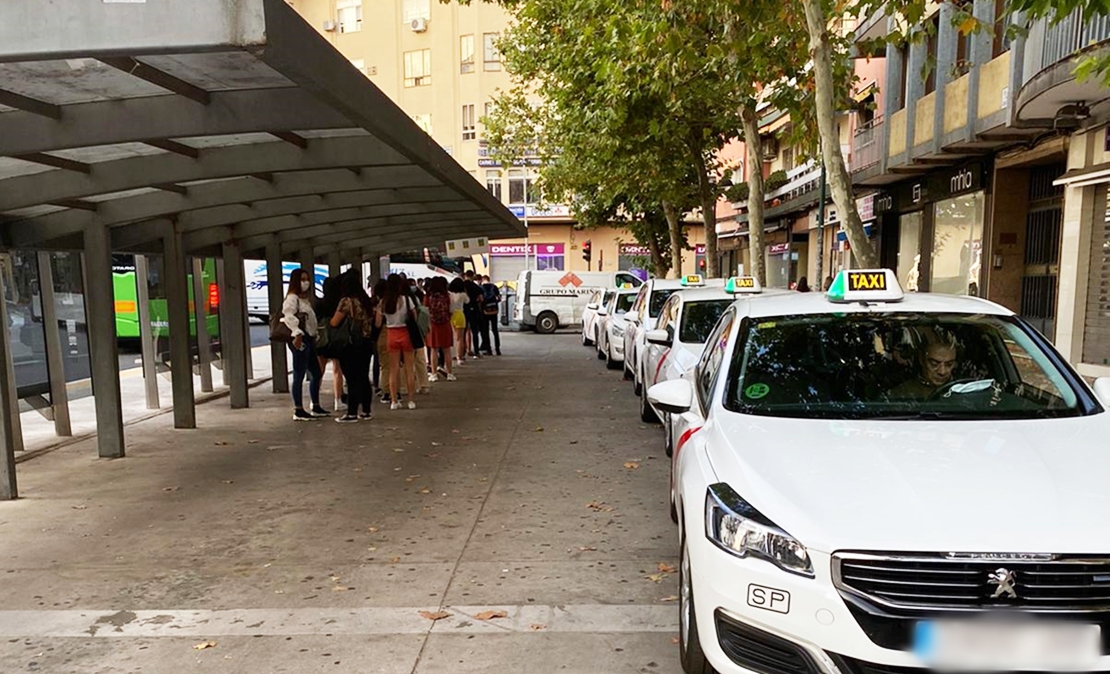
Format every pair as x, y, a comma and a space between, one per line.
439, 62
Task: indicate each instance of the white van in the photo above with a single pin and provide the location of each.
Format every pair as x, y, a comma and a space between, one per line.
548, 300
258, 294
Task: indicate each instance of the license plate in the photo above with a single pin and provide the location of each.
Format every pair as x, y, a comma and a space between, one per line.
977, 645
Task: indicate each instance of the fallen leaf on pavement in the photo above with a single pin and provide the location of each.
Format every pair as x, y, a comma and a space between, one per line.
394, 560
631, 465
341, 588
673, 597
228, 481
490, 615
437, 444
372, 530
538, 429
221, 443
203, 645
587, 549
599, 506
666, 568
425, 490
656, 577
675, 640
171, 488
79, 507
536, 627
438, 615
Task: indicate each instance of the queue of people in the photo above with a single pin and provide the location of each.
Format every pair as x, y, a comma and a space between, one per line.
416, 331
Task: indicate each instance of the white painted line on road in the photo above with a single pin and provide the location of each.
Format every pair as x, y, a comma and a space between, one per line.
592, 618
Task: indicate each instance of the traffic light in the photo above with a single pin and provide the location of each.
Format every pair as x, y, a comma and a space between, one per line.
586, 251
701, 264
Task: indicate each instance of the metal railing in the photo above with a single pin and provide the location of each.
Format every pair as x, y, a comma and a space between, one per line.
1049, 44
867, 145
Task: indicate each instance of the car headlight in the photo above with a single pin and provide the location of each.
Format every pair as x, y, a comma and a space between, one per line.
739, 529
618, 331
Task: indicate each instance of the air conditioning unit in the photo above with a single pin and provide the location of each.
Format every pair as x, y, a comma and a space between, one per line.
419, 25
331, 26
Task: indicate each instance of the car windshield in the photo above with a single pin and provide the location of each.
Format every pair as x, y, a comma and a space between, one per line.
698, 319
658, 299
625, 302
896, 366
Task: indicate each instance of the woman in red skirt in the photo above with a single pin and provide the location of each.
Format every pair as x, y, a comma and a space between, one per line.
441, 335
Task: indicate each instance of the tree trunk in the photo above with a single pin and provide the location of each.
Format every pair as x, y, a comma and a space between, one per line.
840, 182
674, 229
708, 211
755, 192
658, 262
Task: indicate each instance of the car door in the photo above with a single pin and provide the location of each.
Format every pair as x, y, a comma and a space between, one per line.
633, 320
655, 355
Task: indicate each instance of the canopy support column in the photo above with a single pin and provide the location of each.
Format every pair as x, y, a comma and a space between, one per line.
55, 364
274, 288
177, 310
11, 432
200, 312
100, 309
146, 333
233, 320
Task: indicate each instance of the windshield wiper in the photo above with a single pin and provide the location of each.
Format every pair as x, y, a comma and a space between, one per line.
929, 415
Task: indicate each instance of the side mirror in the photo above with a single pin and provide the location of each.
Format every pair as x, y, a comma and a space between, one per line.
660, 337
602, 311
674, 397
592, 306
1102, 390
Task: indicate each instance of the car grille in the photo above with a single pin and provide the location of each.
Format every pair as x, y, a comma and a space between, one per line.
854, 666
938, 582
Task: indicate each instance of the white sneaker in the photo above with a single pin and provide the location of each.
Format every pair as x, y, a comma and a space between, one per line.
395, 406
452, 377
412, 404
433, 377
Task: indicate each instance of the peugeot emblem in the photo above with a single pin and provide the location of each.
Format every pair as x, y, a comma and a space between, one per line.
1004, 579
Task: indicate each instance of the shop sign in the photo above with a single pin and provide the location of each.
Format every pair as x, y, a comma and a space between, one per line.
550, 211
520, 249
493, 163
778, 248
866, 207
699, 249
934, 187
634, 250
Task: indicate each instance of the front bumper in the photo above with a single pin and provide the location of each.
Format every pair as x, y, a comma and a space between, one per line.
805, 628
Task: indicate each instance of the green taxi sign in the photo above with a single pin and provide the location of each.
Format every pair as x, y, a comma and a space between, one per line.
740, 285
865, 285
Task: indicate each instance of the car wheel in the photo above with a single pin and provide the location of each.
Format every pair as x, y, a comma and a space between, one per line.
600, 349
668, 439
609, 362
647, 414
546, 323
690, 654
637, 385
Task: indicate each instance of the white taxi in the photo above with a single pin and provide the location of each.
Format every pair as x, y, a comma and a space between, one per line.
643, 318
591, 324
673, 347
610, 337
870, 483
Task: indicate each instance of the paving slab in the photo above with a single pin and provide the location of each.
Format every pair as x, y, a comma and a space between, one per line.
529, 486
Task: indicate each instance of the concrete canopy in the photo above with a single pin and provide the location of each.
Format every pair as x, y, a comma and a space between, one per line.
231, 120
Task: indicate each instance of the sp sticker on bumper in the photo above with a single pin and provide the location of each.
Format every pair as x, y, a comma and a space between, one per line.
768, 599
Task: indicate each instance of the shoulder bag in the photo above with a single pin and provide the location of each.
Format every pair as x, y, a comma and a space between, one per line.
413, 327
280, 332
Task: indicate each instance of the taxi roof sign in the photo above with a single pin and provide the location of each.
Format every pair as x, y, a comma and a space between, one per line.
693, 280
865, 285
741, 285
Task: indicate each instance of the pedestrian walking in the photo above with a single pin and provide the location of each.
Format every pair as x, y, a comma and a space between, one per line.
356, 309
803, 285
441, 334
395, 309
424, 325
474, 316
457, 293
299, 316
491, 308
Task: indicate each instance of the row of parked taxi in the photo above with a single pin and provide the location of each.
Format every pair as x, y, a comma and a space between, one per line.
868, 481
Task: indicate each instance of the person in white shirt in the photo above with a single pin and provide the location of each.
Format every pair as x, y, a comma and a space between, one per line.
297, 313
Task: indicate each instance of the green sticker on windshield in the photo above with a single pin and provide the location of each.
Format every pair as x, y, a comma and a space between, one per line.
757, 391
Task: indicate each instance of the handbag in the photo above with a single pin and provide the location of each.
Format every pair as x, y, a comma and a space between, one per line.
414, 330
340, 336
490, 309
280, 332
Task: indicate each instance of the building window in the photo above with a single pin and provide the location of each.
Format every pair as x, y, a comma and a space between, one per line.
493, 183
1001, 42
957, 245
491, 55
350, 15
788, 159
520, 187
931, 44
904, 50
418, 68
469, 125
424, 121
466, 54
416, 9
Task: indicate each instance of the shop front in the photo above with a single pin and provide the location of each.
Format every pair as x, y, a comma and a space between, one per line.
933, 230
507, 260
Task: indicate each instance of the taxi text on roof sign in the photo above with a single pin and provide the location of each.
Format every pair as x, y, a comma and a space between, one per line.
692, 280
865, 285
742, 284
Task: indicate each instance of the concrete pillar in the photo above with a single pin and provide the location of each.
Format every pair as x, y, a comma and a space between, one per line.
100, 311
55, 364
892, 96
11, 432
177, 310
1083, 208
233, 319
248, 352
224, 375
276, 293
146, 333
915, 89
200, 314
947, 38
335, 263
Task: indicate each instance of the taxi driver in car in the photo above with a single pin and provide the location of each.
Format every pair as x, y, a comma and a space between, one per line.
936, 361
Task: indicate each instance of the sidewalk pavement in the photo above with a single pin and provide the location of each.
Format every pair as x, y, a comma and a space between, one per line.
256, 544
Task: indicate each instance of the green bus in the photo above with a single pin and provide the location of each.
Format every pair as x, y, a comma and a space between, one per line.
127, 304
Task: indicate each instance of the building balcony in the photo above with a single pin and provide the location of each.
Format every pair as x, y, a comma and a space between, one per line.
1048, 83
867, 146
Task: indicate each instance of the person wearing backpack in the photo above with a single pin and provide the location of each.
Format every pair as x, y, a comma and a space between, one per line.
441, 334
356, 309
491, 307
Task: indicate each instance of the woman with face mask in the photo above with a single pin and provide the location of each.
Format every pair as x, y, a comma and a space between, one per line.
297, 313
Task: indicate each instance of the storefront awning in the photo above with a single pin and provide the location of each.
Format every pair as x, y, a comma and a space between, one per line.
1094, 175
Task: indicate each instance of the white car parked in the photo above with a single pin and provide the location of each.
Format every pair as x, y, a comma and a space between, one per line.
867, 482
613, 319
591, 323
